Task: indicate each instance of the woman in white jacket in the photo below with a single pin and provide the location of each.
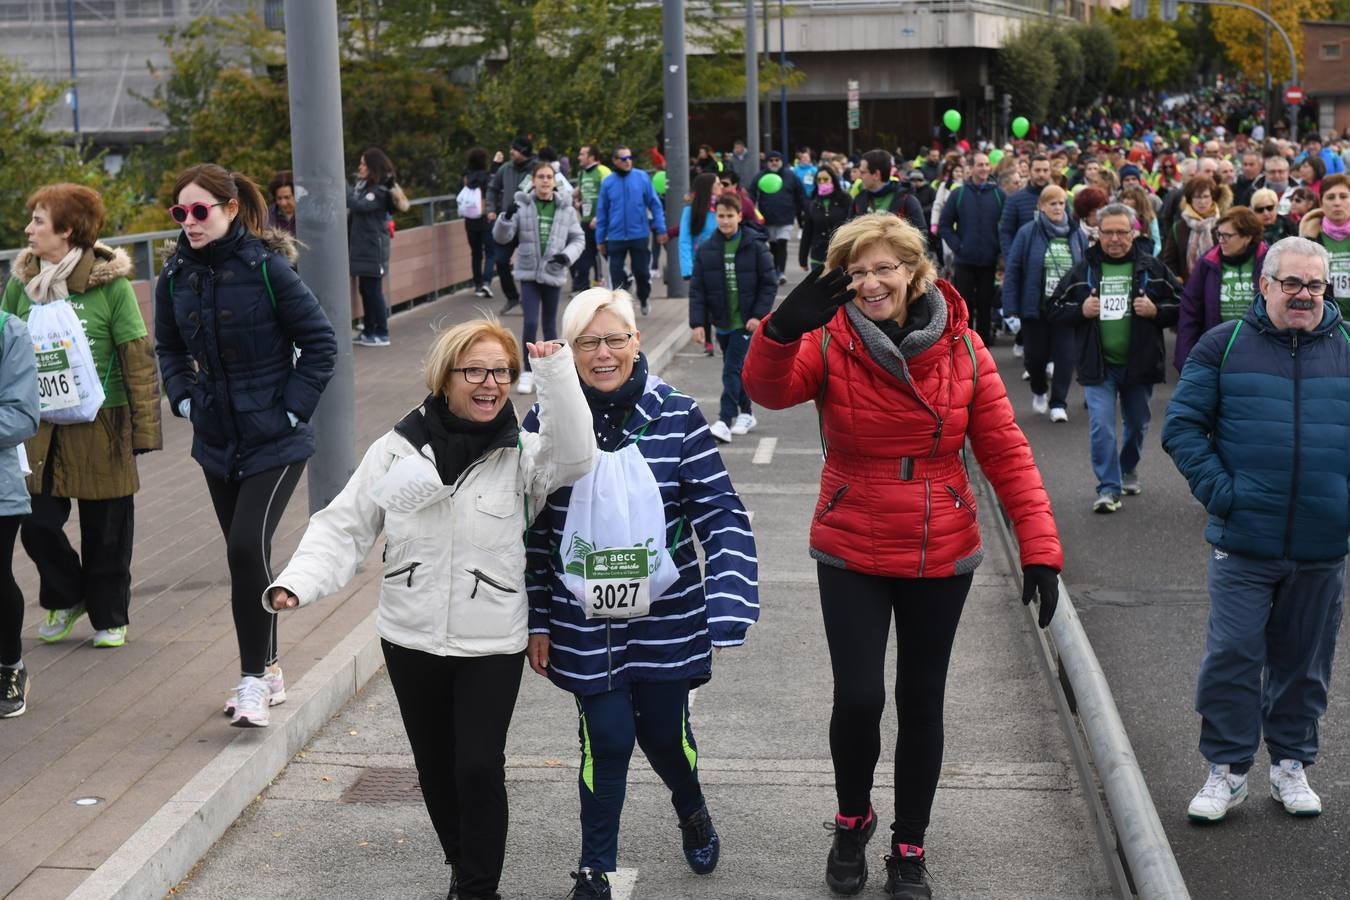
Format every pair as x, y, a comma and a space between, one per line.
453, 486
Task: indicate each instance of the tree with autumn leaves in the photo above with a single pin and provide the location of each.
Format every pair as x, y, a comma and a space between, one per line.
1242, 35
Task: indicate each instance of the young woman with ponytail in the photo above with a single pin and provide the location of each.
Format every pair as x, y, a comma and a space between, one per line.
230, 316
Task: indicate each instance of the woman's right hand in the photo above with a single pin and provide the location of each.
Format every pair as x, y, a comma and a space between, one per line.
281, 598
811, 305
537, 652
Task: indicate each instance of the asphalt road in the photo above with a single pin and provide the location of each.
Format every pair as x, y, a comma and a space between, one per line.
1138, 580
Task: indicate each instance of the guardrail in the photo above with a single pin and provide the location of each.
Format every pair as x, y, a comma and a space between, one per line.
1134, 844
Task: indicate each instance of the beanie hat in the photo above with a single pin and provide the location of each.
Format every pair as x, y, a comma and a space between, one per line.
523, 145
1128, 170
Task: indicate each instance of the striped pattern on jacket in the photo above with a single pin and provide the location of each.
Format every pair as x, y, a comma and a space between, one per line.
674, 642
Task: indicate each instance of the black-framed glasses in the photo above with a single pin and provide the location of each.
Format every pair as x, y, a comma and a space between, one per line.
1224, 237
479, 374
614, 340
1263, 209
199, 211
1113, 233
1291, 286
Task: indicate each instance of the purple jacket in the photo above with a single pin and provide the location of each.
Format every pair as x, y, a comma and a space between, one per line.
1200, 300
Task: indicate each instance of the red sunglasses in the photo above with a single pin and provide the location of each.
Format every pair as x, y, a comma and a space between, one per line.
200, 211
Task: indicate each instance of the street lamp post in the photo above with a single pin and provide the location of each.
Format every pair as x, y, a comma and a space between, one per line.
74, 80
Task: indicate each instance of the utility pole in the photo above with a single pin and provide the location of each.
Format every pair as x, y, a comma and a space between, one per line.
782, 74
751, 89
74, 80
314, 81
1270, 99
677, 130
767, 118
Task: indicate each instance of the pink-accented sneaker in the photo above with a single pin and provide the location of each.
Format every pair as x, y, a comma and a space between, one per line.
276, 687
846, 866
907, 874
251, 710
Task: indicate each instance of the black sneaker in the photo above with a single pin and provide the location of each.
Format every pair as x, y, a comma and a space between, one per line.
846, 868
13, 691
646, 307
907, 874
510, 305
589, 884
702, 846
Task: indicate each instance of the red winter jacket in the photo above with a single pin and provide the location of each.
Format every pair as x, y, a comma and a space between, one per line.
894, 497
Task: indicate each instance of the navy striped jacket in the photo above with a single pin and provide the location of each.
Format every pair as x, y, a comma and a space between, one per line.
674, 642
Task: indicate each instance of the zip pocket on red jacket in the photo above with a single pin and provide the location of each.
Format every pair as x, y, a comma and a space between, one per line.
961, 502
829, 504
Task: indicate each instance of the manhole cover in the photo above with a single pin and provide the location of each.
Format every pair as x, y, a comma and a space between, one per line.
385, 785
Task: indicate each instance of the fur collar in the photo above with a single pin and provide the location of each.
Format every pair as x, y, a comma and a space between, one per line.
97, 267
1310, 226
276, 241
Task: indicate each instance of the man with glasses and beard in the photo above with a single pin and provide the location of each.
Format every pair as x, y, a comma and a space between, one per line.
1257, 425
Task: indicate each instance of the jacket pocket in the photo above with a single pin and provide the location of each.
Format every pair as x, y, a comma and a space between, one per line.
260, 415
494, 524
963, 500
493, 607
410, 599
828, 506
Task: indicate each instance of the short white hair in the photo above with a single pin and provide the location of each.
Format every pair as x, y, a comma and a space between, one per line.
588, 304
1299, 246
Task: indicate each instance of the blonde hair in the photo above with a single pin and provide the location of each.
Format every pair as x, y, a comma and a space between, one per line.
1265, 195
451, 346
590, 303
891, 232
1050, 193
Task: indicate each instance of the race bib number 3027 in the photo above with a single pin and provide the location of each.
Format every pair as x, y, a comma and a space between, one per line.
617, 585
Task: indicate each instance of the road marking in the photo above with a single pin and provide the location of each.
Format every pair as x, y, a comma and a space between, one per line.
622, 883
750, 514
764, 452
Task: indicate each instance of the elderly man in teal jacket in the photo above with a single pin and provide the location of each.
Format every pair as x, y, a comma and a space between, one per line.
1260, 427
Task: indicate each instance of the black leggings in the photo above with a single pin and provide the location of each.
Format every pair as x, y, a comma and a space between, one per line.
480, 252
11, 598
779, 251
857, 612
248, 512
456, 710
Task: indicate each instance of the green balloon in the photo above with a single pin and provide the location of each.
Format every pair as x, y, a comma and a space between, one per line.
994, 157
659, 182
952, 119
1020, 127
771, 183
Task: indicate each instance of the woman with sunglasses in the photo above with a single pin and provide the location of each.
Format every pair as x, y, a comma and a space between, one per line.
92, 463
245, 351
1225, 281
1266, 205
631, 668
827, 209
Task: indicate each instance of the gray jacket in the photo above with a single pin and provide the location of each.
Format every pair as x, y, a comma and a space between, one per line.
508, 179
18, 411
564, 237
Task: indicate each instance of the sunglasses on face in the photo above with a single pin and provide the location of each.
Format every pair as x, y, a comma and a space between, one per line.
1264, 209
198, 211
624, 158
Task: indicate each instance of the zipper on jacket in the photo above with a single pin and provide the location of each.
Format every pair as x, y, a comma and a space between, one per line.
834, 498
927, 514
956, 499
490, 582
406, 570
1294, 474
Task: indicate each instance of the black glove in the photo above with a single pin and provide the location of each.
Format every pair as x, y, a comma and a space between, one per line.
1046, 580
511, 210
139, 450
810, 305
559, 259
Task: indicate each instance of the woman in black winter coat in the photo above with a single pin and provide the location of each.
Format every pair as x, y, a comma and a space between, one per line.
370, 202
230, 316
478, 229
826, 211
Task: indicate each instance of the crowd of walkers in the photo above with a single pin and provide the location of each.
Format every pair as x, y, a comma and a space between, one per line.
595, 536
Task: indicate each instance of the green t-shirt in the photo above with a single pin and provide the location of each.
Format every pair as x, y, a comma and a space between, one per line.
110, 317
1340, 272
589, 186
882, 203
545, 209
1235, 291
1114, 321
1058, 262
734, 320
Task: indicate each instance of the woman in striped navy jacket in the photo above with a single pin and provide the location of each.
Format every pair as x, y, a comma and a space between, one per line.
632, 676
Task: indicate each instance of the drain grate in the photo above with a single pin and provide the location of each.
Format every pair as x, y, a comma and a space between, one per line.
385, 785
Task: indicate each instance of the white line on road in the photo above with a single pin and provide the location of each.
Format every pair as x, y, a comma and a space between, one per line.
750, 514
622, 883
764, 452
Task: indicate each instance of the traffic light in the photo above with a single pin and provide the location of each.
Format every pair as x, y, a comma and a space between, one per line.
1006, 105
1169, 10
1138, 9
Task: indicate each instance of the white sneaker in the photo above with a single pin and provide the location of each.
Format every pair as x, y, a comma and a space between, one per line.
276, 691
1059, 414
744, 422
1289, 785
1040, 404
1018, 351
1222, 791
526, 383
250, 710
720, 431
1026, 376
1050, 370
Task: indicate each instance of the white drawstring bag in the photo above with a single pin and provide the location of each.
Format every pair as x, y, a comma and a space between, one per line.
615, 561
69, 390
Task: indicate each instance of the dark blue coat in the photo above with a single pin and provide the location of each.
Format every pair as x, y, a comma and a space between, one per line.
1024, 267
223, 344
970, 223
1263, 437
756, 280
784, 205
1017, 212
368, 211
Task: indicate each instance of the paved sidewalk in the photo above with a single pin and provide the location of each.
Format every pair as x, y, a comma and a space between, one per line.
1010, 820
140, 728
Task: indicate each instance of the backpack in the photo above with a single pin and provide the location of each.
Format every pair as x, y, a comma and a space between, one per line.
469, 202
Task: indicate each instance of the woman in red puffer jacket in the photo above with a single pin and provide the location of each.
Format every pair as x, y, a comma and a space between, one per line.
901, 382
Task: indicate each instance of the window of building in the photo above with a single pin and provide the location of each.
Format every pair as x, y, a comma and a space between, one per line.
1331, 51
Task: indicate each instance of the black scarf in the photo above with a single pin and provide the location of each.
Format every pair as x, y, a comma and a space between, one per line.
1241, 258
917, 318
457, 442
611, 410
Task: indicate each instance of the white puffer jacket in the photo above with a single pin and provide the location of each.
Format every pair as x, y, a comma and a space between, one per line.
454, 557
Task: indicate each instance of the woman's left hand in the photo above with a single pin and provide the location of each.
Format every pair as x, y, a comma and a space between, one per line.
542, 349
537, 653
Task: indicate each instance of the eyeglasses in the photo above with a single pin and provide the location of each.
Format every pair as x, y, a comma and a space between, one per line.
1292, 286
885, 270
628, 158
1263, 209
614, 340
478, 374
1114, 233
199, 211
1224, 237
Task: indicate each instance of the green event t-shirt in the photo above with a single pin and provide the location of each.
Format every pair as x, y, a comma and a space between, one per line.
546, 210
110, 316
1114, 321
1058, 262
734, 320
589, 186
1340, 272
1235, 291
883, 203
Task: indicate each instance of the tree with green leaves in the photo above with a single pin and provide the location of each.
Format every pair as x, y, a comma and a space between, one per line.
1101, 56
1026, 69
1152, 53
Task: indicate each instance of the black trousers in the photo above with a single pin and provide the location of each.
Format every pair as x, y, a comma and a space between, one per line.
456, 710
11, 598
857, 610
779, 251
501, 258
99, 576
976, 285
587, 265
480, 253
374, 309
1044, 343
248, 512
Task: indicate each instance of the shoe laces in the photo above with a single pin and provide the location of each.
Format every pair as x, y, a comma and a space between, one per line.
697, 830
9, 683
910, 869
1217, 785
252, 693
586, 883
849, 842
1294, 781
